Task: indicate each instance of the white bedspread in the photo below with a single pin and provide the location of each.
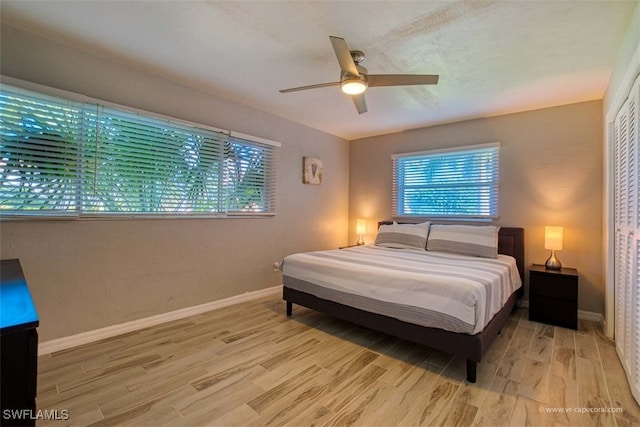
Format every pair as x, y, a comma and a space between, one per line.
457, 293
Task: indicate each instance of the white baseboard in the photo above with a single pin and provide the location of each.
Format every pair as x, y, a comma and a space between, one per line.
123, 328
582, 314
111, 331
591, 315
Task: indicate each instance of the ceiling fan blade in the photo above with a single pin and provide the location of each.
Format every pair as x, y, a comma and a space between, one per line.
319, 85
360, 103
401, 79
344, 56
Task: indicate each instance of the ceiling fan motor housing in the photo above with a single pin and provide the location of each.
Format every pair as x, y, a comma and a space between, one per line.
351, 84
357, 56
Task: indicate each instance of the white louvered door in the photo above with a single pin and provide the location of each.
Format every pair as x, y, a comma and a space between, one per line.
627, 237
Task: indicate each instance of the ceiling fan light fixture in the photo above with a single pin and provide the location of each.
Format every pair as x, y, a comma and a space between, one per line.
353, 86
354, 78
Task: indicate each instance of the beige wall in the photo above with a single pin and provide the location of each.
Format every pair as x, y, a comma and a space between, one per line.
618, 86
550, 174
89, 274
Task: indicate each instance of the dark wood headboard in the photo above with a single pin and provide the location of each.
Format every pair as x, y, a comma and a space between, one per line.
510, 242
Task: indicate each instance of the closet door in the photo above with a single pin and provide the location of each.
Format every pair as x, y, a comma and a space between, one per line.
627, 237
634, 232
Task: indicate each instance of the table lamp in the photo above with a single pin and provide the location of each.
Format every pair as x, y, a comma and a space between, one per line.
553, 242
361, 228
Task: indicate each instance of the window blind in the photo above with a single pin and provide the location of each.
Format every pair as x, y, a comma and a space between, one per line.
88, 159
135, 164
249, 182
454, 183
39, 148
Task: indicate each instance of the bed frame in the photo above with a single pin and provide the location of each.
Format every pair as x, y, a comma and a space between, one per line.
471, 347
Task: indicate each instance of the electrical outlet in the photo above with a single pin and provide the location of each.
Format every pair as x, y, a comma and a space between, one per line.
276, 266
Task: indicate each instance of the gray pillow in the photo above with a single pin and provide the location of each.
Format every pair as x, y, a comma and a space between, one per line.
474, 240
403, 236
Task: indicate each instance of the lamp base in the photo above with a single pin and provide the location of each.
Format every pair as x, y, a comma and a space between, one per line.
553, 263
360, 241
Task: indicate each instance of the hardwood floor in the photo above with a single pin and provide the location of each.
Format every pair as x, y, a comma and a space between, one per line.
249, 365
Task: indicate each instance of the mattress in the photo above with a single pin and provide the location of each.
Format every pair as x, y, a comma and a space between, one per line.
457, 293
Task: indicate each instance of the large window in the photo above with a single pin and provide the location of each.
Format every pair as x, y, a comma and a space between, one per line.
63, 157
460, 183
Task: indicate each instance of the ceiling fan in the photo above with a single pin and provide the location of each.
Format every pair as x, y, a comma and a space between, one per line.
354, 79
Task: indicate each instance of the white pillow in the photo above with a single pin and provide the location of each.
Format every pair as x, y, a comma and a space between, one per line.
474, 240
403, 236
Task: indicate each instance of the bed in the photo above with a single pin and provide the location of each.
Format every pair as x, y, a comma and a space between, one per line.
380, 288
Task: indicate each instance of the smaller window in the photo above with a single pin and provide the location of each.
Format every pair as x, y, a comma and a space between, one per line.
459, 183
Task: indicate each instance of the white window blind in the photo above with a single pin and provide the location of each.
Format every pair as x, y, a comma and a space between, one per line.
249, 181
39, 152
135, 164
88, 159
453, 183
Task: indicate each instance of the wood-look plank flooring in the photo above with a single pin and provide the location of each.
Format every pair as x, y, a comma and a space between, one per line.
250, 365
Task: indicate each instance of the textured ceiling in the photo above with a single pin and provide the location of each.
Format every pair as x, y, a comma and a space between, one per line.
492, 57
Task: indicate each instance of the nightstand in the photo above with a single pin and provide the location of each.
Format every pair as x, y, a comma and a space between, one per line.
553, 296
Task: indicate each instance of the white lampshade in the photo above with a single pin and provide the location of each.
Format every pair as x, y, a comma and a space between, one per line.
553, 237
361, 226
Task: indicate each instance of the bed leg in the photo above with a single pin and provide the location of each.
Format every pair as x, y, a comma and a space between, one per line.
471, 370
289, 308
